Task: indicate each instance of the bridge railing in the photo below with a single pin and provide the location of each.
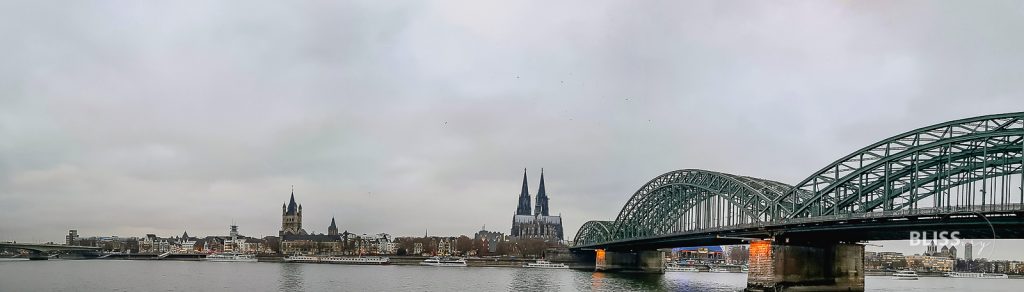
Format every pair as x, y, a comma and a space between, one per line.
959, 210
903, 213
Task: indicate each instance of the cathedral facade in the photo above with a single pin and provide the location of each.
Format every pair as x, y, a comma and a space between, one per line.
537, 223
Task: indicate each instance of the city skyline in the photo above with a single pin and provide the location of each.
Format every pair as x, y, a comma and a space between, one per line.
401, 119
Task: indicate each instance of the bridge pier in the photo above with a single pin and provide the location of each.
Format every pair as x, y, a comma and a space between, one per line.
634, 261
584, 260
805, 266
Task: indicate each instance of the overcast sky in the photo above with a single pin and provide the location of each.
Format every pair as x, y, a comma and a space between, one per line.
128, 117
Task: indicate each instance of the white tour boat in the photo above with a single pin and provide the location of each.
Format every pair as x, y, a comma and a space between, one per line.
356, 260
976, 275
339, 260
904, 275
231, 257
301, 259
542, 264
444, 262
719, 270
680, 268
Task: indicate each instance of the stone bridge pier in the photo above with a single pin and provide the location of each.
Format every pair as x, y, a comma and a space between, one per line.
780, 265
629, 261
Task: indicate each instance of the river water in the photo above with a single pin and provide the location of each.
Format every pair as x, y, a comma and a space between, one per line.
117, 275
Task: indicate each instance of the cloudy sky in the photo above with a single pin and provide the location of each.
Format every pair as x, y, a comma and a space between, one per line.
127, 117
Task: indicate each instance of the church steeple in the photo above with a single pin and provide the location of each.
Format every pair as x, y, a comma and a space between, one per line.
542, 198
333, 229
524, 198
292, 207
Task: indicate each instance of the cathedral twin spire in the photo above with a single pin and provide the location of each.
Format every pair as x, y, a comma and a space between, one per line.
524, 198
542, 198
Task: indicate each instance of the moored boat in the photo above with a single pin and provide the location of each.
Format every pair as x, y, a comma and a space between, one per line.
231, 257
542, 264
977, 275
444, 262
301, 259
338, 260
904, 275
680, 268
356, 260
719, 270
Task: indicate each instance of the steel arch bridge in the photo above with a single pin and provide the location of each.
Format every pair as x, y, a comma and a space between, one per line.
959, 172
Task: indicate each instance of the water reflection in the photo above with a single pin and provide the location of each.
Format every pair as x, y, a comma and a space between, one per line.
599, 281
534, 280
596, 280
290, 277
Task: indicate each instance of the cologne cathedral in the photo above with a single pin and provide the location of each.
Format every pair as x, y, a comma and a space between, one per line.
538, 223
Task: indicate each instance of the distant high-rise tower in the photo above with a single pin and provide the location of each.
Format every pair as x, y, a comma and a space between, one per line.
542, 198
72, 237
968, 251
524, 198
333, 229
234, 231
291, 217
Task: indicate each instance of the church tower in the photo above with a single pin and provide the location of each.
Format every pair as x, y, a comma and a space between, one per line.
333, 229
291, 217
524, 198
542, 198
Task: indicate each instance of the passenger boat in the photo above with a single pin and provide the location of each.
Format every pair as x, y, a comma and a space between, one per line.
444, 262
301, 259
904, 275
542, 264
680, 268
339, 260
231, 257
976, 275
356, 260
719, 270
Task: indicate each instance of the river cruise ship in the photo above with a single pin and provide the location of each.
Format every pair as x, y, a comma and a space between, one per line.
444, 262
231, 257
719, 270
976, 275
542, 264
680, 268
904, 275
356, 260
339, 260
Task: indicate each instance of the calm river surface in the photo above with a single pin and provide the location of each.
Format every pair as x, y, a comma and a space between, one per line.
115, 275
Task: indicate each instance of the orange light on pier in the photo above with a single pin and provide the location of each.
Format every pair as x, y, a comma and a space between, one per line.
760, 262
760, 249
600, 255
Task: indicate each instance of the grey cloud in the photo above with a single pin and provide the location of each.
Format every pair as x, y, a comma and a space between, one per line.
133, 118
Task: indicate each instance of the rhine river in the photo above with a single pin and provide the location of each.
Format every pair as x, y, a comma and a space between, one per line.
117, 275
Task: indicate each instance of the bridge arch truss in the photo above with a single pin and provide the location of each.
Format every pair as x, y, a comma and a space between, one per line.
948, 167
968, 162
